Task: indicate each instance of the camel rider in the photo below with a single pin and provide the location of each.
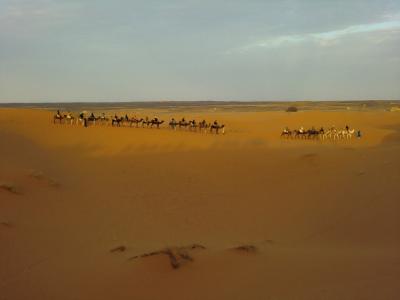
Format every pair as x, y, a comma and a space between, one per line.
92, 116
58, 113
126, 117
347, 128
81, 115
215, 123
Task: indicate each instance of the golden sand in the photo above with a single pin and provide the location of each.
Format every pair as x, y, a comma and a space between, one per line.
106, 213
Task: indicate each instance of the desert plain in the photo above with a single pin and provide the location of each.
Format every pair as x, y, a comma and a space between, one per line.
137, 213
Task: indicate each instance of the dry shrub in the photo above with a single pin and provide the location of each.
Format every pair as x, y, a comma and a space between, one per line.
292, 109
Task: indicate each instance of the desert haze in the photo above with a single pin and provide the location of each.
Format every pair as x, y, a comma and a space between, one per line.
101, 212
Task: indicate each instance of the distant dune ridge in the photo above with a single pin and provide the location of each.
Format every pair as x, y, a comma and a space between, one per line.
187, 106
136, 213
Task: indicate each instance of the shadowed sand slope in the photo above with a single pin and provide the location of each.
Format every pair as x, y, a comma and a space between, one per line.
126, 213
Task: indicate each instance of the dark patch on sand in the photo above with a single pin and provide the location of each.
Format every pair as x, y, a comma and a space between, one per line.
9, 187
6, 224
310, 159
39, 175
246, 248
118, 249
177, 255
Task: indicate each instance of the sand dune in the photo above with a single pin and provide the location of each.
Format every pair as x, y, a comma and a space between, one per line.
275, 218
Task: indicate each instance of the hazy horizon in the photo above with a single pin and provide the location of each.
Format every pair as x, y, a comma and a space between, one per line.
132, 51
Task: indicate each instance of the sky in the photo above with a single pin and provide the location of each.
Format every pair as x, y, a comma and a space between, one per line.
128, 50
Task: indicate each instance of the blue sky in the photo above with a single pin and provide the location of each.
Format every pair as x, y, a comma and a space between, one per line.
69, 50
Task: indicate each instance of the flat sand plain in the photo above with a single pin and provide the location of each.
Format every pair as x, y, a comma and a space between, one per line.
106, 213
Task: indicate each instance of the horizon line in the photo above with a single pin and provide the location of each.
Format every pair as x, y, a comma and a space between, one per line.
197, 101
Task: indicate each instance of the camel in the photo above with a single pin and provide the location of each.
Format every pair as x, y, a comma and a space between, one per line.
116, 121
312, 133
103, 119
193, 125
331, 133
203, 125
62, 118
350, 133
70, 118
146, 122
135, 121
125, 120
286, 132
92, 118
217, 127
156, 122
183, 123
81, 118
58, 117
173, 124
301, 133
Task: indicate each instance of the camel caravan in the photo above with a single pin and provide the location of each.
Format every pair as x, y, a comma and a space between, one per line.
126, 121
332, 133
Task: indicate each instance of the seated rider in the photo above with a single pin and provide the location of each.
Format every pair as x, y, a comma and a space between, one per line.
92, 116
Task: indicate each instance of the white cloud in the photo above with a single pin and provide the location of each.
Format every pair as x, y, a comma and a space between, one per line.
322, 38
13, 12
